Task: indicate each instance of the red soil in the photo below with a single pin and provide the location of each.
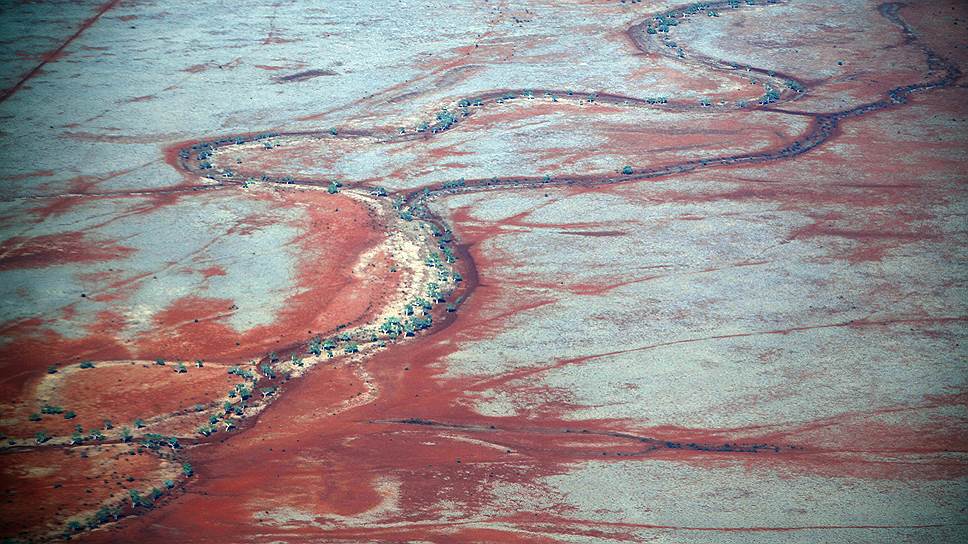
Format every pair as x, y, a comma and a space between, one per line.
336, 231
299, 458
41, 488
300, 461
418, 451
42, 251
119, 393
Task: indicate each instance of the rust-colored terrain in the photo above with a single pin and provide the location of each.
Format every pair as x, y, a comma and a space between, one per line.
500, 272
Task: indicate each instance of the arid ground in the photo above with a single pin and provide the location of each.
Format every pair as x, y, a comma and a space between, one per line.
532, 271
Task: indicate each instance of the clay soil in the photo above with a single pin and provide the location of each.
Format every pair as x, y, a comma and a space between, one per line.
735, 315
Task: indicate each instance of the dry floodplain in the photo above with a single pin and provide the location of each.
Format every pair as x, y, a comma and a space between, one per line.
492, 271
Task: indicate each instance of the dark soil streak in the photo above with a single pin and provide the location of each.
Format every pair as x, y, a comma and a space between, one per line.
56, 53
653, 444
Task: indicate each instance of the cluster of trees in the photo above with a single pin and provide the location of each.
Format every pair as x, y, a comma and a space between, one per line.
663, 22
150, 440
100, 517
771, 95
505, 97
241, 391
465, 102
453, 184
155, 441
445, 120
407, 325
78, 436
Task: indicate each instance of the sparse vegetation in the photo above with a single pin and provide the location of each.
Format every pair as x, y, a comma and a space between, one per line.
48, 409
315, 346
772, 95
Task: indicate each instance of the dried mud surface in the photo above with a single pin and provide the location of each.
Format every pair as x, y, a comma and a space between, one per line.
694, 274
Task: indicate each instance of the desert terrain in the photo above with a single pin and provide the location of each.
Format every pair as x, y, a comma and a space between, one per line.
494, 271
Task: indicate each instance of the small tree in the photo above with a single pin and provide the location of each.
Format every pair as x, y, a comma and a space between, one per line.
627, 170
87, 364
180, 368
315, 346
245, 393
